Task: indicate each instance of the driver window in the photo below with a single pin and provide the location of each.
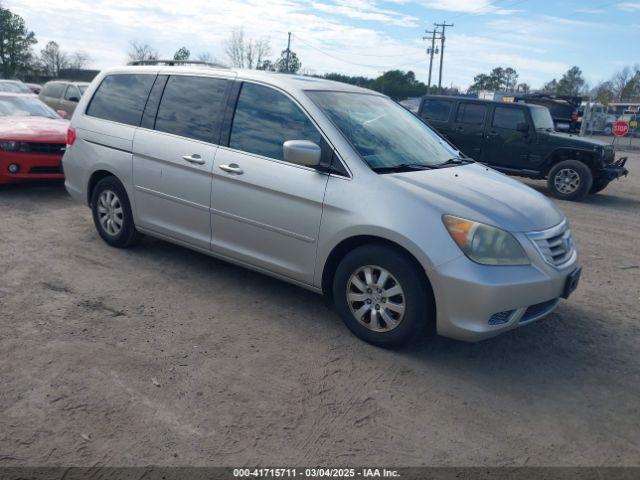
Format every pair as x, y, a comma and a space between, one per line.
265, 119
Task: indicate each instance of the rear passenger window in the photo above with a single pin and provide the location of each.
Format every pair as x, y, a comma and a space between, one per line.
121, 98
472, 113
192, 107
265, 119
434, 109
53, 90
505, 117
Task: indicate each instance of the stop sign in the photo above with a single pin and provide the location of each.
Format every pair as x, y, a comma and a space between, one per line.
620, 129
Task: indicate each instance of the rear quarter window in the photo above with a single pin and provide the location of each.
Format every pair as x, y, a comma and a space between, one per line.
435, 109
121, 98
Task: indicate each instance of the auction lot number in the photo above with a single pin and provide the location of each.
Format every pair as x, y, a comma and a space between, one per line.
318, 473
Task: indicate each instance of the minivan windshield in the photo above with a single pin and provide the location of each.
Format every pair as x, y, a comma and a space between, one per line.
385, 134
542, 118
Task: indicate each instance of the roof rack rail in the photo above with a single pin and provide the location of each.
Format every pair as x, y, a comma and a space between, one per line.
176, 62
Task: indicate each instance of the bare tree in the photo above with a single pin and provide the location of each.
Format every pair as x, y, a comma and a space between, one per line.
206, 57
234, 48
620, 80
209, 58
243, 53
53, 59
140, 52
256, 52
79, 59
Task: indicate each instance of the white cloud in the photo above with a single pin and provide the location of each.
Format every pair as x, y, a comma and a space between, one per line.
478, 7
591, 11
366, 10
629, 6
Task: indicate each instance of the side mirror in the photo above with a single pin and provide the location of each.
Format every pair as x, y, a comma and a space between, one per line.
62, 113
522, 127
74, 99
302, 152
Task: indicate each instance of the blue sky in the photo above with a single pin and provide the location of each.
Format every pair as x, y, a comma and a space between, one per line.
539, 38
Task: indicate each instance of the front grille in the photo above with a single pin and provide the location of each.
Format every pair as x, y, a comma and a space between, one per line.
538, 309
55, 148
45, 148
42, 170
555, 245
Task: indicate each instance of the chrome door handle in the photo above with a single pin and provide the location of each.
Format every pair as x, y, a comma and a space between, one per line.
195, 158
231, 168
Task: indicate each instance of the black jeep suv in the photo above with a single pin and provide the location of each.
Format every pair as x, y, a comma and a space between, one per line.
519, 139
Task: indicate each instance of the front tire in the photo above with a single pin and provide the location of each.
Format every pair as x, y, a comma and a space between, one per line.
382, 295
112, 214
570, 180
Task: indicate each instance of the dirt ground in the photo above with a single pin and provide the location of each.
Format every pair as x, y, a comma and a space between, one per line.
159, 355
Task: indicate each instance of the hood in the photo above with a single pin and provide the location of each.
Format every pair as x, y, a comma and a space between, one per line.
36, 129
476, 192
569, 139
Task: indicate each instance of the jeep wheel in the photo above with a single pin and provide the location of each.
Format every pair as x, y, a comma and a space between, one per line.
570, 180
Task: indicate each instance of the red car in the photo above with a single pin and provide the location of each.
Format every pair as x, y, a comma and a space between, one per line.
33, 139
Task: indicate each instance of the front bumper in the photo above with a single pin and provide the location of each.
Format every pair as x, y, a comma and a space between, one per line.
31, 167
475, 302
614, 170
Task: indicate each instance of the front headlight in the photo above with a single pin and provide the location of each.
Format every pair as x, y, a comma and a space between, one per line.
485, 244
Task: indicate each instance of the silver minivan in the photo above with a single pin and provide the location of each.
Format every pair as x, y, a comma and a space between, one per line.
332, 187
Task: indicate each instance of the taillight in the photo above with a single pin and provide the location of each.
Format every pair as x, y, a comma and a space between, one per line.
71, 136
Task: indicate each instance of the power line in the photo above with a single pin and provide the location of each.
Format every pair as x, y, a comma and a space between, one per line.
360, 54
377, 67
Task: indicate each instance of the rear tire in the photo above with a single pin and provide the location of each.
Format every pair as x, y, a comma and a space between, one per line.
570, 180
382, 295
112, 214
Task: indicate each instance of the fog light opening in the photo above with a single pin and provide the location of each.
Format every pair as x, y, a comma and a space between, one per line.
500, 318
14, 168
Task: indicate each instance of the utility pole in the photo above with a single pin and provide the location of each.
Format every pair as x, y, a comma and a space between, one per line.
444, 25
431, 51
288, 50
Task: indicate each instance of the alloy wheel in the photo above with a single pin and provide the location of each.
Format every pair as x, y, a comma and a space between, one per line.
566, 181
376, 298
110, 213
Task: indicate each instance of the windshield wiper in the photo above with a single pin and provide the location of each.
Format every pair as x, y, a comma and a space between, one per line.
455, 161
402, 167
